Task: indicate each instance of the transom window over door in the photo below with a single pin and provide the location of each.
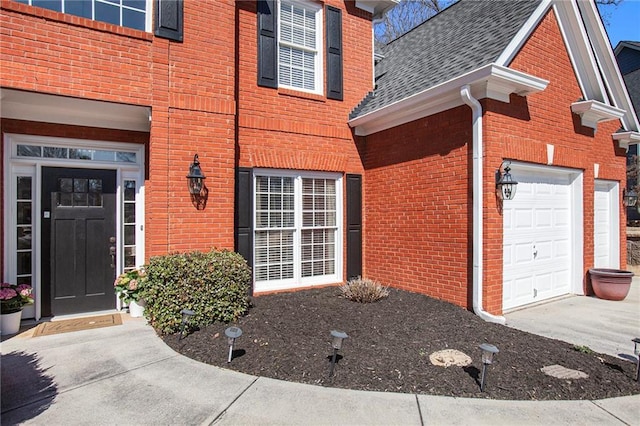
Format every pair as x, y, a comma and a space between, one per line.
299, 43
297, 232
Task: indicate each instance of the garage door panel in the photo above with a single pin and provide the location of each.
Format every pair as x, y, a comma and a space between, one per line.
537, 231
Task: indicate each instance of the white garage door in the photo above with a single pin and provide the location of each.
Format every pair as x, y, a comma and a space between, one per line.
537, 237
606, 225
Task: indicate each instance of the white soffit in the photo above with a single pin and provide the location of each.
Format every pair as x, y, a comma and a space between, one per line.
491, 81
376, 7
626, 138
593, 112
30, 106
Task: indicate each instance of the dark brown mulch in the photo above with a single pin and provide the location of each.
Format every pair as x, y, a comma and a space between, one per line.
286, 336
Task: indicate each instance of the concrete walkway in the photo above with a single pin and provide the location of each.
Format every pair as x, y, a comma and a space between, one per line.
605, 326
127, 375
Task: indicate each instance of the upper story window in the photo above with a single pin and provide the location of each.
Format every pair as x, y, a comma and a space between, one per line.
294, 38
125, 13
299, 46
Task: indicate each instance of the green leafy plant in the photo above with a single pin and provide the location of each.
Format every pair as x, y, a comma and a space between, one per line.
214, 285
364, 290
14, 297
583, 349
129, 284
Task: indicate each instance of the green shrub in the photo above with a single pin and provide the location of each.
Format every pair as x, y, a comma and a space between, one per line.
214, 285
364, 290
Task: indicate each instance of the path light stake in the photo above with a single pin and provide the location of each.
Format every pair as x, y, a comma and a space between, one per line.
232, 334
337, 337
636, 351
186, 317
488, 351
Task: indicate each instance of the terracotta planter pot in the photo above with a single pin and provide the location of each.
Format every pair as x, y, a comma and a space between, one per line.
610, 284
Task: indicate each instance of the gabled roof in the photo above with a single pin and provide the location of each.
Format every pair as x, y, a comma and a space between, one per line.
472, 43
632, 80
465, 36
635, 45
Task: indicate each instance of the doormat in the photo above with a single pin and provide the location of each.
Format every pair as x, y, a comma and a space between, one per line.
77, 324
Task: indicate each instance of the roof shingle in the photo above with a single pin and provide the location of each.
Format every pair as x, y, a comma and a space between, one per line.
465, 36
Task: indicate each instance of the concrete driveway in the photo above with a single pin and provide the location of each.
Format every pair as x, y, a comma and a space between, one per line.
605, 326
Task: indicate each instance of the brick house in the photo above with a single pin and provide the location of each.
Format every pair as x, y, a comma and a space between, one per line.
310, 173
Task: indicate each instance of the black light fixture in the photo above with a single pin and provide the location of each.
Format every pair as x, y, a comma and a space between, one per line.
232, 334
337, 337
629, 197
636, 351
186, 317
195, 178
505, 185
488, 351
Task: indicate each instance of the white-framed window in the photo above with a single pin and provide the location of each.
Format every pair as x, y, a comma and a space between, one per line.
134, 14
300, 46
297, 229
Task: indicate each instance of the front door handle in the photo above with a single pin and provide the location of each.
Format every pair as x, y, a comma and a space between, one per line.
112, 253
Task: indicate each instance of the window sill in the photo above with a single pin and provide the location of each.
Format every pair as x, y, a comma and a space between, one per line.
301, 95
75, 20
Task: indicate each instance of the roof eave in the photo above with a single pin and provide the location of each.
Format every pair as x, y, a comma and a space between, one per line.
491, 81
593, 112
376, 7
626, 138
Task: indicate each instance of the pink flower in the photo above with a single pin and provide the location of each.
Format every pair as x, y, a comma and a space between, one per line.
5, 285
133, 284
7, 294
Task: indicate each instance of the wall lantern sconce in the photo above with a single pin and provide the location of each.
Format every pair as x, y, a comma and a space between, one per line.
232, 334
488, 352
505, 185
186, 317
629, 197
195, 178
337, 338
636, 351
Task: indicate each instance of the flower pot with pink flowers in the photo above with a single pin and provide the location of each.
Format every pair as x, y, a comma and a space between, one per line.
128, 287
12, 299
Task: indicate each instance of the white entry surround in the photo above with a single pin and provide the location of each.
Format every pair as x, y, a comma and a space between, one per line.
24, 158
543, 235
606, 229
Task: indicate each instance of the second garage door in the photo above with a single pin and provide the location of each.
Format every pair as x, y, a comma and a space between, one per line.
537, 237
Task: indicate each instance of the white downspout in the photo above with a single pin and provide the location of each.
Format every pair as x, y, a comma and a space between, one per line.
478, 243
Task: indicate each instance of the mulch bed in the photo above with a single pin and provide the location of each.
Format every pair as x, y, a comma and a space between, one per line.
286, 336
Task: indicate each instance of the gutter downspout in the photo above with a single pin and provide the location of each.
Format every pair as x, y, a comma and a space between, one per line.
478, 242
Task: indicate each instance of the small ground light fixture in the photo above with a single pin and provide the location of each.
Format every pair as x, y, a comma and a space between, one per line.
186, 317
232, 334
488, 352
337, 337
636, 351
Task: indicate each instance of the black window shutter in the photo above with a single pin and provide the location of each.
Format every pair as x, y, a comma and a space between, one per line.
334, 53
267, 43
244, 213
354, 226
169, 19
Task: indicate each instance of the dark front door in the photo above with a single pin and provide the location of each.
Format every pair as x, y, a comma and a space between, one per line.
78, 239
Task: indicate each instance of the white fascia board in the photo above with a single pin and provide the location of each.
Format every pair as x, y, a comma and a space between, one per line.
491, 81
523, 34
376, 7
626, 138
607, 64
622, 44
579, 49
21, 105
592, 112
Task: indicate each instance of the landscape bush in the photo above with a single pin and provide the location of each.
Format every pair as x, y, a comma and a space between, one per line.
214, 285
364, 290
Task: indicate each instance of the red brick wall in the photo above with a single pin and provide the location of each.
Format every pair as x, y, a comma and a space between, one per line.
418, 213
522, 129
286, 129
189, 86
